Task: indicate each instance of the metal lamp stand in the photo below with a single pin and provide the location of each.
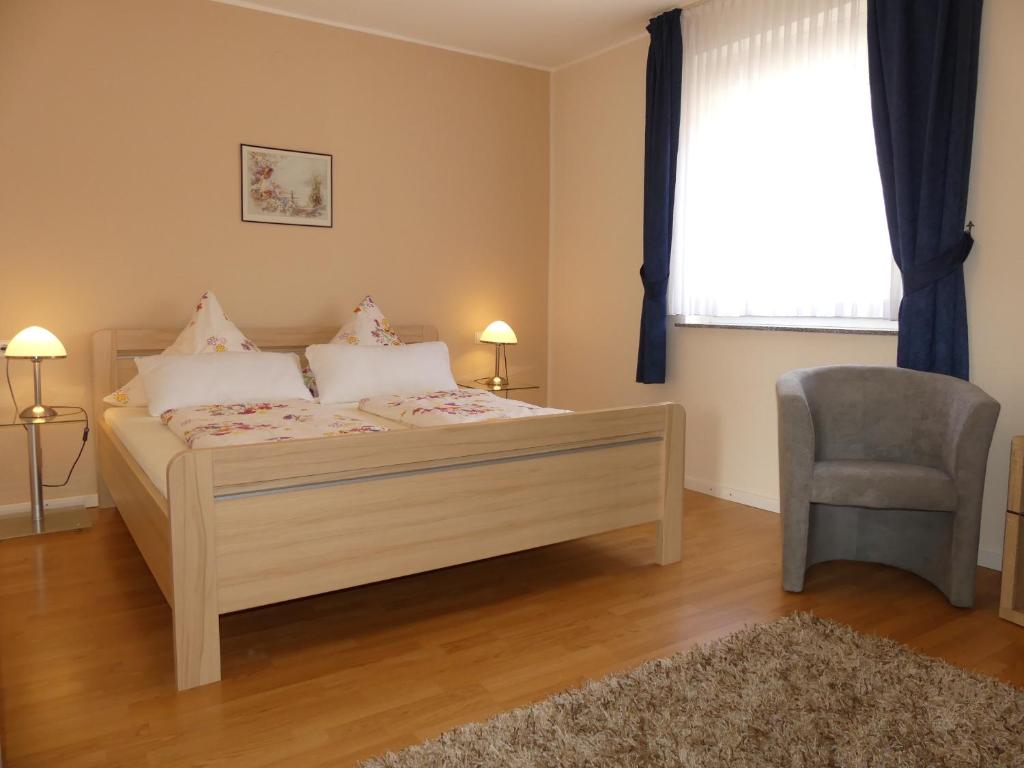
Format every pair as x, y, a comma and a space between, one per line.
498, 381
60, 519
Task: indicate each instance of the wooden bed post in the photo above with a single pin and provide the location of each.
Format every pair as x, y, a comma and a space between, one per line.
104, 378
670, 527
194, 569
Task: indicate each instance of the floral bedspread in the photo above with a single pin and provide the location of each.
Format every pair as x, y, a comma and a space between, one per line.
460, 406
212, 426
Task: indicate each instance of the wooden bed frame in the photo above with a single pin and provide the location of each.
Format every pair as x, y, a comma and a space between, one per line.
244, 526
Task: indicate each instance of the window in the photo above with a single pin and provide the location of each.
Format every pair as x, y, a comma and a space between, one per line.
779, 209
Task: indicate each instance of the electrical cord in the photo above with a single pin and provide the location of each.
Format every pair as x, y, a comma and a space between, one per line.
10, 387
81, 450
85, 432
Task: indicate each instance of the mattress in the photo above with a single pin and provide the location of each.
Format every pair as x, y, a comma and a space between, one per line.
152, 444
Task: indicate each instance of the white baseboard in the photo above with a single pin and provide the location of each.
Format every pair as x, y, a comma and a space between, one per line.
90, 500
733, 494
987, 558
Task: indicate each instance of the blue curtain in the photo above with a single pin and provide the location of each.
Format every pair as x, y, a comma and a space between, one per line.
923, 57
664, 91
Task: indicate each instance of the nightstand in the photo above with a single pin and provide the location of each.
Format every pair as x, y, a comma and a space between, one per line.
40, 520
485, 384
1011, 596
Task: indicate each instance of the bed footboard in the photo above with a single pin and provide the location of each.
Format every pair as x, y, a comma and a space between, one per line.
258, 524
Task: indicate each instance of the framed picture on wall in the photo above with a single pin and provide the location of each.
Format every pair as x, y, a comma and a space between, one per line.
286, 186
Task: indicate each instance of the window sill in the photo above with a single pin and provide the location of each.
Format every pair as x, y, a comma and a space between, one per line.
798, 324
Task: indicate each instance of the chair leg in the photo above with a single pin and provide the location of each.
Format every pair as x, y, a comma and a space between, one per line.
961, 585
793, 578
795, 527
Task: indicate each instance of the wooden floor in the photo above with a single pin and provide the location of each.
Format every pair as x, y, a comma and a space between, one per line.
86, 676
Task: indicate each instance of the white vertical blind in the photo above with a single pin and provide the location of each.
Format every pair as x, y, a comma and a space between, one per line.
779, 209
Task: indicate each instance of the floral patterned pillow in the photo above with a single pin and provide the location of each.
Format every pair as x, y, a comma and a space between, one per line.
209, 330
367, 326
310, 380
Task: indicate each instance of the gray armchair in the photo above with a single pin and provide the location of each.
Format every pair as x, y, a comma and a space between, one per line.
884, 465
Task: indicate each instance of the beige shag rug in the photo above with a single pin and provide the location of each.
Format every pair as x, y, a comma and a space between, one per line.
799, 692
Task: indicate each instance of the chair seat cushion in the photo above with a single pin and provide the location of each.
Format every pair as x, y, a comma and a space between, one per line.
882, 485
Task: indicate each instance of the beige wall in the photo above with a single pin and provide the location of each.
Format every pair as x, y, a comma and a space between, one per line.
726, 377
119, 131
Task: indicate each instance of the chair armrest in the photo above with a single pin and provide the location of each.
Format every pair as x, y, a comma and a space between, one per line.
796, 468
972, 421
796, 441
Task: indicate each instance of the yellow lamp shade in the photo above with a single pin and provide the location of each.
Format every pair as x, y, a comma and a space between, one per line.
35, 342
499, 332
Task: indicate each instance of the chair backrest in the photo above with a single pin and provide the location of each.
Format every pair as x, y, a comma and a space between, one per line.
881, 413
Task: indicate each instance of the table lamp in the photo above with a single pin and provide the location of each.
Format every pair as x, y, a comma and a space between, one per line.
36, 344
499, 333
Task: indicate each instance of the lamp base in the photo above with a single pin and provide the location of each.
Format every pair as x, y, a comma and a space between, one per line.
38, 412
55, 519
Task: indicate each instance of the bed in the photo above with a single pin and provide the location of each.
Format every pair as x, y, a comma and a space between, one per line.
236, 527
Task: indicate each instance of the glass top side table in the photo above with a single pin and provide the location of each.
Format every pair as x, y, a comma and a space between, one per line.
39, 520
485, 384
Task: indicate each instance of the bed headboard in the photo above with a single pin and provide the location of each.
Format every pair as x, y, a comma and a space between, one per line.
114, 351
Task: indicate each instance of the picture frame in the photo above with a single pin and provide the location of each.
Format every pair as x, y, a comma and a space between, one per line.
286, 186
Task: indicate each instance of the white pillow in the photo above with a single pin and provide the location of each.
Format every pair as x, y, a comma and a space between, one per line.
209, 330
182, 381
347, 373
